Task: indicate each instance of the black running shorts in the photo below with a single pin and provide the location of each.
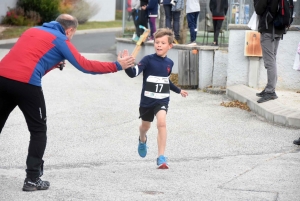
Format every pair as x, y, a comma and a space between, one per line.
148, 113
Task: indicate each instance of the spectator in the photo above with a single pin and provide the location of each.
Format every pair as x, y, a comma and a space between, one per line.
269, 40
129, 9
218, 9
192, 13
143, 16
135, 10
152, 11
172, 16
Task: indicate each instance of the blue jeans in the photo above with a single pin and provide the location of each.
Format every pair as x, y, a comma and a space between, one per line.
192, 23
175, 16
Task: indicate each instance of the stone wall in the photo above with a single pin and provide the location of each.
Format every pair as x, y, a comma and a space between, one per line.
220, 68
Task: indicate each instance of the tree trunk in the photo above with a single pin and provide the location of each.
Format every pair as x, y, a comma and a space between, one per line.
162, 17
183, 26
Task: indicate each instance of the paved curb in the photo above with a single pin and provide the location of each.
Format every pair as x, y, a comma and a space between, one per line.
273, 111
214, 90
78, 32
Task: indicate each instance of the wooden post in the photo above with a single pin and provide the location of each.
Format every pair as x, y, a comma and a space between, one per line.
194, 68
188, 65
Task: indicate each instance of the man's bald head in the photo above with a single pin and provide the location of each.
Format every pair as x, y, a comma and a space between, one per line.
67, 21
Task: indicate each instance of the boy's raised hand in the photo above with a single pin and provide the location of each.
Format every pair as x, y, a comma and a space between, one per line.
125, 60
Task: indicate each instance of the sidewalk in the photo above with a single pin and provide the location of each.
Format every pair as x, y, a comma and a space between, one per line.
283, 111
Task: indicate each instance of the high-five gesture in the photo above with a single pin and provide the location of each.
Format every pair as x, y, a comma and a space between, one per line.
125, 60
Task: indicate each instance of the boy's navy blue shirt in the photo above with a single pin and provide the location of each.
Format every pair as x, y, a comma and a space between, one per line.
153, 65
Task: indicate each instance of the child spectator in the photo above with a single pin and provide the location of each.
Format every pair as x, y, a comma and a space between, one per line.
152, 11
192, 13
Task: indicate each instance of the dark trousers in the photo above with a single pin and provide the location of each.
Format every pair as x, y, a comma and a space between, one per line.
30, 100
135, 18
143, 20
192, 19
175, 17
269, 47
217, 27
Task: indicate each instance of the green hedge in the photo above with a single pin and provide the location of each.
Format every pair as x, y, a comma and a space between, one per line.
48, 9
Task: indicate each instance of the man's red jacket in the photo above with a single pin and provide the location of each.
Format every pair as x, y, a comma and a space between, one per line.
40, 49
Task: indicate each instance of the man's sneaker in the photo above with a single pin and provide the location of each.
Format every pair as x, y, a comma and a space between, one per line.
162, 162
38, 184
267, 96
297, 142
261, 94
142, 148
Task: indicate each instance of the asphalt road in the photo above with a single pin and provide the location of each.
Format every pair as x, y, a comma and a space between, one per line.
97, 42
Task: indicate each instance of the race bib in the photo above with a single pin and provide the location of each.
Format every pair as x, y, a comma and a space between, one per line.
157, 87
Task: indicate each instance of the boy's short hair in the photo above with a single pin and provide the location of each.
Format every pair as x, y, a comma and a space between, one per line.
165, 32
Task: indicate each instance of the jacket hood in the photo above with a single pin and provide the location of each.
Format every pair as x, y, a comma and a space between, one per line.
54, 25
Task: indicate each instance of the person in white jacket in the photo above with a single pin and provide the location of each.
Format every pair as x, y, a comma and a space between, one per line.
192, 13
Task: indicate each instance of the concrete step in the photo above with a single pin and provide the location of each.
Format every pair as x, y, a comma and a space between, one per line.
273, 111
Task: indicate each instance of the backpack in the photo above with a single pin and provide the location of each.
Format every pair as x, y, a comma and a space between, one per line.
179, 6
284, 16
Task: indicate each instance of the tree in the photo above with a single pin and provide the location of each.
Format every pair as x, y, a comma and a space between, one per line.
48, 9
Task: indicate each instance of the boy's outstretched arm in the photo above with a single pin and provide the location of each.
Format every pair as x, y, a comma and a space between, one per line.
184, 93
135, 70
130, 72
174, 88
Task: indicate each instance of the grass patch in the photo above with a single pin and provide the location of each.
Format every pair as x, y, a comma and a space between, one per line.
12, 32
16, 31
99, 25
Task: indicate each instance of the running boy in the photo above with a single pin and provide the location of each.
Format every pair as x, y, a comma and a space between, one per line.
155, 94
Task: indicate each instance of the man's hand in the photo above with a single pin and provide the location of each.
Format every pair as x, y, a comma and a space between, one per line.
61, 65
125, 60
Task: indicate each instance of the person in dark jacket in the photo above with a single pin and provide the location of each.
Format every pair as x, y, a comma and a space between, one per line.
172, 16
143, 15
38, 51
218, 9
269, 40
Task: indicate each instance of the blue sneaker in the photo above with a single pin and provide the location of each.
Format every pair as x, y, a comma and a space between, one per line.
142, 148
162, 162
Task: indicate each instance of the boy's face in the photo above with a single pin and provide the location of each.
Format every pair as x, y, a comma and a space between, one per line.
162, 46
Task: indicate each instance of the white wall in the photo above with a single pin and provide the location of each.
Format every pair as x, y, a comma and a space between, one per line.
3, 6
238, 64
107, 10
